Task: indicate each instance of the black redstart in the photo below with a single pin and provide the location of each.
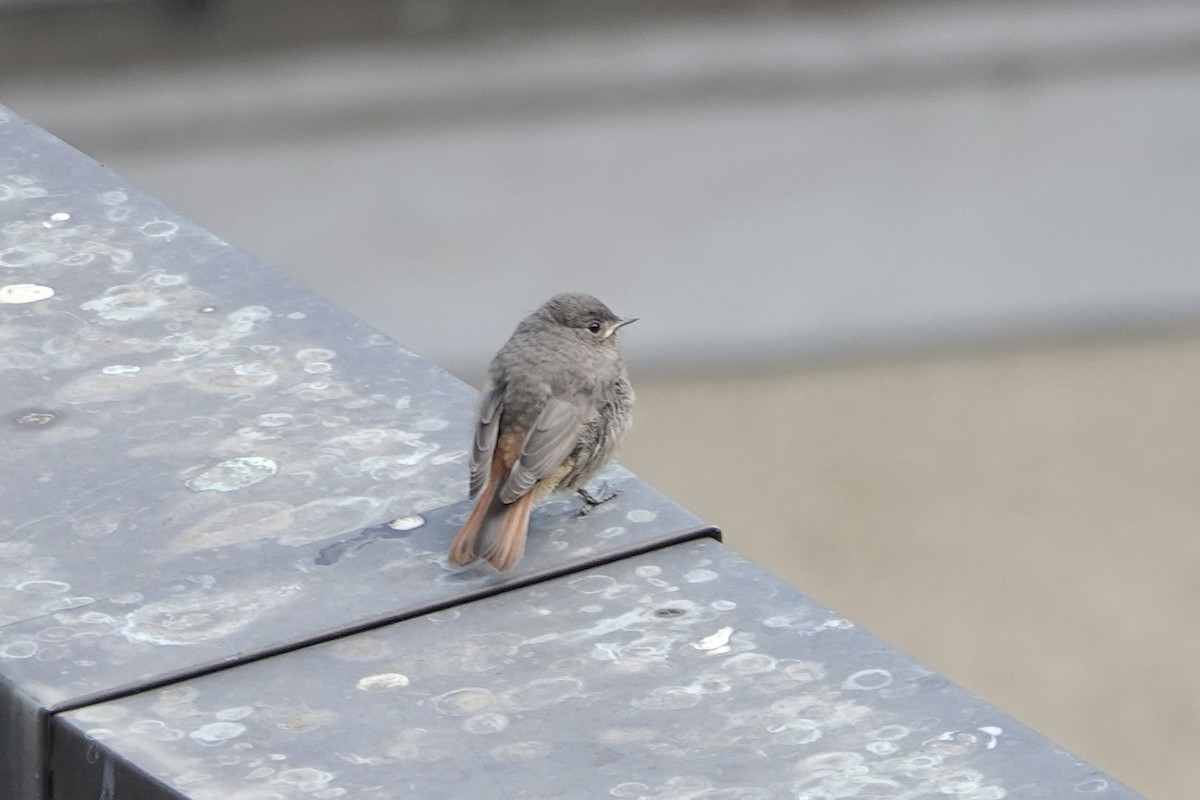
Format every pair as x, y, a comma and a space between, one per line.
556, 405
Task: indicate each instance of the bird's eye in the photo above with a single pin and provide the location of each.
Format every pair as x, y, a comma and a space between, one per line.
594, 327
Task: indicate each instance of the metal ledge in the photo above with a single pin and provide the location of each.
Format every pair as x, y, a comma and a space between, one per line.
202, 459
686, 672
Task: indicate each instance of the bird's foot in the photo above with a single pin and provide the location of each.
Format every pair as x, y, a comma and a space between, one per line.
590, 500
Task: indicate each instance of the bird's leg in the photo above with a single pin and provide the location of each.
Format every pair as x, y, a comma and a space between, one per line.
590, 500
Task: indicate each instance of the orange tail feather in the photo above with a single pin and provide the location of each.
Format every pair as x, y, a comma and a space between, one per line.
462, 549
509, 546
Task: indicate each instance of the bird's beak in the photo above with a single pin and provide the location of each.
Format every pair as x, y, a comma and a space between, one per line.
617, 325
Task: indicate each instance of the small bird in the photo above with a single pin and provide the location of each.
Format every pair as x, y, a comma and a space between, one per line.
556, 404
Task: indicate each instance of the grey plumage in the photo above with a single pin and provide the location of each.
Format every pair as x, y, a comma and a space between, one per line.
555, 407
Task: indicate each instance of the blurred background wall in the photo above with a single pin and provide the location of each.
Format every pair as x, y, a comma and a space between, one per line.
918, 280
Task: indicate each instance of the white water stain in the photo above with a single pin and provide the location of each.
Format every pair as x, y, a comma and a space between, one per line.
700, 576
868, 680
234, 713
486, 723
100, 713
330, 516
126, 303
233, 474
467, 701
244, 522
520, 751
156, 730
159, 229
306, 779
542, 693
187, 621
215, 733
43, 587
314, 355
19, 650
22, 256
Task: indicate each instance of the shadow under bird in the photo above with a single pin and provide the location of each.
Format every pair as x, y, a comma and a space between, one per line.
555, 407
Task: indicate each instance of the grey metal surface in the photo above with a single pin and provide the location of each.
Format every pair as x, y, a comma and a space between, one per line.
683, 673
200, 459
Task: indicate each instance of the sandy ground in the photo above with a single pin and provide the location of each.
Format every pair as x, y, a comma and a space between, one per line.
1024, 521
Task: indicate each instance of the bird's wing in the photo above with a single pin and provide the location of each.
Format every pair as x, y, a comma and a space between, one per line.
485, 436
547, 445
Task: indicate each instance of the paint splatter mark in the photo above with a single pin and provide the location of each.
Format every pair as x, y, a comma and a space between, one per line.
35, 419
716, 643
386, 680
994, 732
24, 293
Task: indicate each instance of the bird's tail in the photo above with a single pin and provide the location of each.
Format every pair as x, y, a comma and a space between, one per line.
495, 530
504, 544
